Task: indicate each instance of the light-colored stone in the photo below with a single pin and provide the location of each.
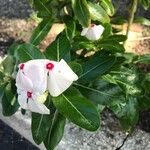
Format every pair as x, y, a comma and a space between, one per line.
139, 140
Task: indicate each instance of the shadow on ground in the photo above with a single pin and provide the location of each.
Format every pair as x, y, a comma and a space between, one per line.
11, 140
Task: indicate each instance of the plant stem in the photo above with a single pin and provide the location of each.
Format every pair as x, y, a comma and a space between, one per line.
131, 16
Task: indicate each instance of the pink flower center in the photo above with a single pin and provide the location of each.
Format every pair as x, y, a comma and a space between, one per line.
49, 66
29, 94
21, 66
92, 25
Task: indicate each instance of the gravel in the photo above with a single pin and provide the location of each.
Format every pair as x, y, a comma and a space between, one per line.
108, 137
15, 9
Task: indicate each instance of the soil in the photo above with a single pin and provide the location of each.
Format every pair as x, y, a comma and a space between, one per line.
144, 121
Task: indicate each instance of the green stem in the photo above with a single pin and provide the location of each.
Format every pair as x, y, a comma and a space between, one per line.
131, 16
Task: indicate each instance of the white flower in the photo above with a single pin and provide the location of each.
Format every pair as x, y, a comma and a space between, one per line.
93, 32
60, 77
35, 77
31, 82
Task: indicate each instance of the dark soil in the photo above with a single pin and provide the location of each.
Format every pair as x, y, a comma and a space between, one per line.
11, 140
144, 121
5, 42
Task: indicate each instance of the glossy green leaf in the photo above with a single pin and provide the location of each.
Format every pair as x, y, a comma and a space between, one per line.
70, 28
55, 132
58, 49
111, 45
28, 52
98, 13
119, 20
108, 30
81, 12
40, 126
13, 49
41, 31
108, 6
41, 123
9, 100
43, 7
8, 64
118, 37
2, 89
96, 66
77, 109
102, 92
76, 67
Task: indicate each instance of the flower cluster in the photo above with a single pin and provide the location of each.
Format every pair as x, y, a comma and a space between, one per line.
36, 77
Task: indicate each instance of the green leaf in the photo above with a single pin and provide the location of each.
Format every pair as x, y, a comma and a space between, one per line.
41, 31
145, 3
42, 123
56, 131
127, 113
108, 30
28, 52
96, 66
9, 101
143, 59
43, 7
70, 28
76, 67
127, 79
108, 6
98, 13
8, 64
40, 126
2, 89
111, 45
77, 109
144, 102
2, 76
58, 49
118, 38
13, 49
119, 20
142, 20
81, 12
102, 92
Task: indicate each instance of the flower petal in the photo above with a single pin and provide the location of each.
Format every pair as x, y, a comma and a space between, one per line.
57, 84
23, 82
34, 106
84, 31
60, 78
22, 100
34, 70
64, 70
94, 32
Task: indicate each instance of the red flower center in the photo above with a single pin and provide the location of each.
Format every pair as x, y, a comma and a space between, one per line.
21, 66
49, 66
29, 94
92, 25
